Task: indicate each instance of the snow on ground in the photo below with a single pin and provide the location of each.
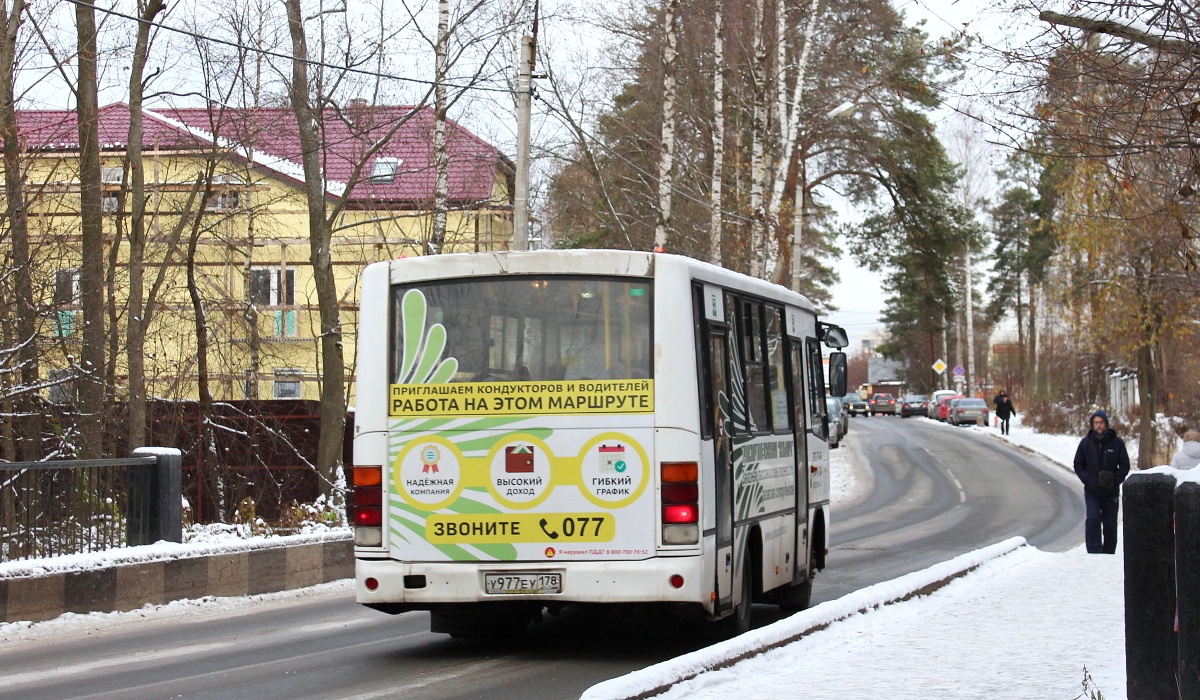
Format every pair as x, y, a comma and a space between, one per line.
1024, 625
199, 544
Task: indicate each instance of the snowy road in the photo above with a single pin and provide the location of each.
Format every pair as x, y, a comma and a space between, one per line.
934, 492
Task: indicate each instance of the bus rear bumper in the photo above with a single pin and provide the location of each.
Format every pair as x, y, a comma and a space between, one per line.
396, 586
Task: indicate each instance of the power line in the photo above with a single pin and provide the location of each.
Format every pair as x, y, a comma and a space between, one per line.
286, 57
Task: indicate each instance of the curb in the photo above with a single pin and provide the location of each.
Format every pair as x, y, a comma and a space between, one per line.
130, 586
656, 679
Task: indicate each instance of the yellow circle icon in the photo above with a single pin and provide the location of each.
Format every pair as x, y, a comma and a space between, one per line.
427, 472
613, 470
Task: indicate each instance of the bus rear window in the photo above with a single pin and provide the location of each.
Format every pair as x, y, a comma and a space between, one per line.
528, 328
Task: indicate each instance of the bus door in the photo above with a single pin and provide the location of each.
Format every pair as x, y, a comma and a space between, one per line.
799, 395
717, 363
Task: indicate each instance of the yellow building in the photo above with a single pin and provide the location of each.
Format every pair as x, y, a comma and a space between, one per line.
249, 264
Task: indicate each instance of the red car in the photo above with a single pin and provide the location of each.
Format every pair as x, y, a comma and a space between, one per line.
943, 405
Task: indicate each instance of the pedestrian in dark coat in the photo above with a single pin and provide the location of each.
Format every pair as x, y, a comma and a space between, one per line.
1101, 463
1004, 411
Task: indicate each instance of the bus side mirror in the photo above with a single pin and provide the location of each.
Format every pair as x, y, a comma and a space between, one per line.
833, 336
837, 374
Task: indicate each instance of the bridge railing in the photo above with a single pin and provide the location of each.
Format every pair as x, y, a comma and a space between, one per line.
78, 506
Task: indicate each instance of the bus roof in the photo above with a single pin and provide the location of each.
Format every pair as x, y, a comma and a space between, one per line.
583, 262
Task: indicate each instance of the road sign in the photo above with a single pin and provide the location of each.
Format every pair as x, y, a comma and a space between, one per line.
958, 370
939, 367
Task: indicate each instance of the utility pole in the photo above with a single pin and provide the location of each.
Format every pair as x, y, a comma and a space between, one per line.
970, 327
520, 239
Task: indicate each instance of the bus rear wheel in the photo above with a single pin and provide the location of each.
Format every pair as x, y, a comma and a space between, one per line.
796, 597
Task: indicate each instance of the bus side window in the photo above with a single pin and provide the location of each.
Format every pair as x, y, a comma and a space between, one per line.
780, 417
816, 389
737, 386
798, 393
754, 366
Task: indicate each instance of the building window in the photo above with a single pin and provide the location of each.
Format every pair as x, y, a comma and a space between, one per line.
112, 176
110, 202
286, 385
64, 323
384, 169
225, 200
62, 387
270, 286
66, 287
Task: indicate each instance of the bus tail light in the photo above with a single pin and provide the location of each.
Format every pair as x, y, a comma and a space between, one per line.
365, 508
679, 488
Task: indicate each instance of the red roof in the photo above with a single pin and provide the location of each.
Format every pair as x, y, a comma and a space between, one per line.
272, 132
58, 129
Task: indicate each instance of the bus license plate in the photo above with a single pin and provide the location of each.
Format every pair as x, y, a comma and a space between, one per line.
522, 584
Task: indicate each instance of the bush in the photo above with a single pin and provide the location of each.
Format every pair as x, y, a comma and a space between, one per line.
1056, 417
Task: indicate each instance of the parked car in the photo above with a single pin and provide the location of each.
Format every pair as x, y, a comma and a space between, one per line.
967, 411
943, 405
936, 398
839, 420
855, 405
882, 403
914, 405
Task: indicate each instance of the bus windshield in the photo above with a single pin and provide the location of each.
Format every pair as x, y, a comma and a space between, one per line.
535, 328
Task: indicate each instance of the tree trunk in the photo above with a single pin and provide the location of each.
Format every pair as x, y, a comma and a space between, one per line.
1148, 398
27, 442
441, 165
666, 157
207, 447
757, 147
333, 400
1021, 349
788, 185
137, 314
91, 271
1032, 339
718, 138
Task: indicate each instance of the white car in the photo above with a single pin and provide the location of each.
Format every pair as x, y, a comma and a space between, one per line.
967, 411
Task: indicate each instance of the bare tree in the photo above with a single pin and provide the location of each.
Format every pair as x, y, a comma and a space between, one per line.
92, 389
666, 157
716, 186
441, 161
758, 135
333, 399
137, 313
26, 354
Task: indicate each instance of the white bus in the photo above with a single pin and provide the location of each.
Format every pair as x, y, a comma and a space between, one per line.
535, 429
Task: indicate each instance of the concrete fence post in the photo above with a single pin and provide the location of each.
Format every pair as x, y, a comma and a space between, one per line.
1187, 573
164, 492
1149, 547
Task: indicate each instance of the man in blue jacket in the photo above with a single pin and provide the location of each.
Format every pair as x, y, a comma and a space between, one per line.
1101, 463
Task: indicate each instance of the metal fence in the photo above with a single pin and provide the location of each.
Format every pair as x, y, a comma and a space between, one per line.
70, 507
